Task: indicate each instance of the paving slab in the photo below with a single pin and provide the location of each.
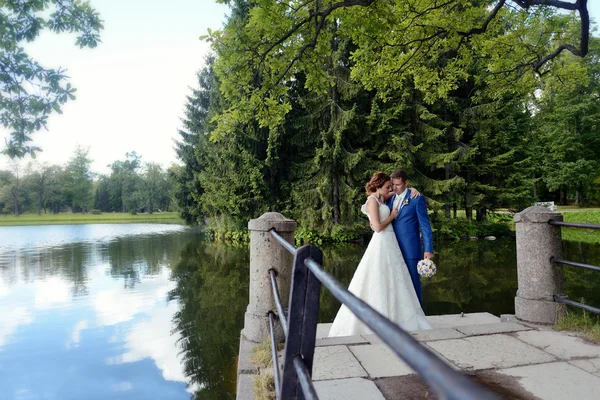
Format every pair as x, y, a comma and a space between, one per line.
437, 334
592, 365
338, 340
489, 329
491, 351
453, 320
323, 330
244, 364
245, 387
407, 387
348, 389
379, 361
336, 362
560, 344
556, 381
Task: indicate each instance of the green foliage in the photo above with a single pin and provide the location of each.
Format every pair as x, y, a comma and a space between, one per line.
29, 92
95, 211
294, 117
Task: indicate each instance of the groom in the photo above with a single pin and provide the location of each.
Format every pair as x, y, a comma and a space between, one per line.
412, 218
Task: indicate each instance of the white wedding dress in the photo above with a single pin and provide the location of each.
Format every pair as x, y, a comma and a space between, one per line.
382, 280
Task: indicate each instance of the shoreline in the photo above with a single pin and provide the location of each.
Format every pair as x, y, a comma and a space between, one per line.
75, 219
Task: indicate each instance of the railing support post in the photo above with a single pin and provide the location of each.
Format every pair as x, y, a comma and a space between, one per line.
538, 278
302, 321
266, 253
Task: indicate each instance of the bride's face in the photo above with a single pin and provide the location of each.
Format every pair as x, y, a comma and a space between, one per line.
387, 190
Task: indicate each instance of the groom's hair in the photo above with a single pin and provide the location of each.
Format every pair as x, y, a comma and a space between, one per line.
400, 174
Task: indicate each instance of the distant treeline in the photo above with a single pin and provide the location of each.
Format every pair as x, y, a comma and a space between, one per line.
132, 186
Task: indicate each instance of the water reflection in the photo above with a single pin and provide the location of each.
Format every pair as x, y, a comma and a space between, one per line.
212, 289
151, 311
92, 318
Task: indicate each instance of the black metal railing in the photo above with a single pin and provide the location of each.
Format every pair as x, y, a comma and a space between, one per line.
561, 298
299, 325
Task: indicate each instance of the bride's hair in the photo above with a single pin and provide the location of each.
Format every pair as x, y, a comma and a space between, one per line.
377, 181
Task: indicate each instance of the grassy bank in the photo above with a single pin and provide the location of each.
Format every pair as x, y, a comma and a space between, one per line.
582, 215
70, 218
583, 323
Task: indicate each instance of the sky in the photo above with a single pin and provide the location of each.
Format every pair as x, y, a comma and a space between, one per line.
132, 88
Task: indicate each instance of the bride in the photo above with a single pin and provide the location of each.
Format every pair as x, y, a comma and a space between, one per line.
381, 279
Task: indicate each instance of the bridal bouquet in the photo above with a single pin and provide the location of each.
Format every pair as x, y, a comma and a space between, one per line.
426, 268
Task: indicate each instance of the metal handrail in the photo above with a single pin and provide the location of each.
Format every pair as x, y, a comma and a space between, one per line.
277, 300
563, 299
446, 382
287, 245
276, 370
573, 263
573, 224
308, 390
434, 372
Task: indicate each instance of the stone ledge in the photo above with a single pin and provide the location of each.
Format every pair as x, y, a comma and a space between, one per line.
490, 329
244, 365
334, 341
245, 387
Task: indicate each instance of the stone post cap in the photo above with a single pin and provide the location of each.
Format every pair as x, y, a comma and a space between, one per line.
271, 220
537, 214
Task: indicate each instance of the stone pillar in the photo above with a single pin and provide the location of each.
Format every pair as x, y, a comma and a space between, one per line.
267, 253
539, 279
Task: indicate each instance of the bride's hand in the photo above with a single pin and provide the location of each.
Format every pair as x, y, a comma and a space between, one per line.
394, 213
414, 193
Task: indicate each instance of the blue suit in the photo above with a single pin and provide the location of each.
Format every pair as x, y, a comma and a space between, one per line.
411, 219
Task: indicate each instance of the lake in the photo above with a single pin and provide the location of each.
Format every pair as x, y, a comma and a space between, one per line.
139, 311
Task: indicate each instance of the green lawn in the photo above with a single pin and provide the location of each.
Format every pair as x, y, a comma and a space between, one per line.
582, 215
70, 218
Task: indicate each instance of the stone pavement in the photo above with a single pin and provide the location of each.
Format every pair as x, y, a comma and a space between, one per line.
515, 360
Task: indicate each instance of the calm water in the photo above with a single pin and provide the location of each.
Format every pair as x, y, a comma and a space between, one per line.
150, 311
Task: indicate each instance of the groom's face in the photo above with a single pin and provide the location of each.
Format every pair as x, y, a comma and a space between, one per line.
399, 185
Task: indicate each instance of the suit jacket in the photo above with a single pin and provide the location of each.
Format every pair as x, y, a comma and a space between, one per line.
412, 219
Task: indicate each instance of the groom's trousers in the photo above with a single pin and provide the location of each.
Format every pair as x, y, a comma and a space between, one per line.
416, 279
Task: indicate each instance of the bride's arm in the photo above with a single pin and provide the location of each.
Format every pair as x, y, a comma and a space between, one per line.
373, 211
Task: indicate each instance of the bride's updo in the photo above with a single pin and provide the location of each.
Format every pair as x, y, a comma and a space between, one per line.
377, 181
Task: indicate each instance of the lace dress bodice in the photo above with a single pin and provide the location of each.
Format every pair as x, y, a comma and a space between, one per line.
384, 212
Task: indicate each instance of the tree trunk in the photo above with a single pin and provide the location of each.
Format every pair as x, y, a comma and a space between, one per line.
469, 213
535, 196
481, 214
336, 198
563, 196
454, 209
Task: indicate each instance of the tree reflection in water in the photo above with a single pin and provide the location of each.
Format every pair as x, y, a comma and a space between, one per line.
212, 290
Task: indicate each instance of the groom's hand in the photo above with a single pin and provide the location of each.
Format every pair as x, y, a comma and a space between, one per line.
428, 255
414, 193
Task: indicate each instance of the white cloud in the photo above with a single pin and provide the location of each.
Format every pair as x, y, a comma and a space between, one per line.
152, 338
51, 291
76, 335
117, 305
10, 319
4, 290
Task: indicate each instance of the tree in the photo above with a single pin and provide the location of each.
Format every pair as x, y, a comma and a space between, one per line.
156, 187
29, 92
79, 180
567, 123
125, 184
13, 194
39, 177
429, 44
